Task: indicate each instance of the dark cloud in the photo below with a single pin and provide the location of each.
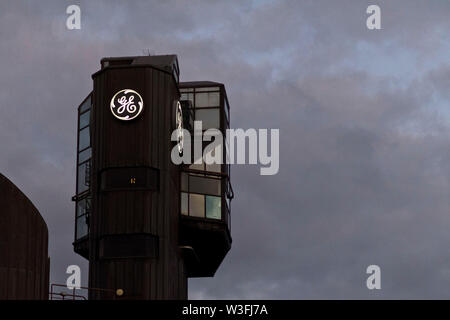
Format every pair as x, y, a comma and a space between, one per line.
364, 132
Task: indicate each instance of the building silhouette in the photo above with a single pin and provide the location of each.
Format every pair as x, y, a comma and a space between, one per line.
24, 261
144, 223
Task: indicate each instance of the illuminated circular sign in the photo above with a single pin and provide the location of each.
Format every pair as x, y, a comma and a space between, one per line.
126, 104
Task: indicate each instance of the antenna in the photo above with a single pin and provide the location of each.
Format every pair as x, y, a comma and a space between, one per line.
148, 52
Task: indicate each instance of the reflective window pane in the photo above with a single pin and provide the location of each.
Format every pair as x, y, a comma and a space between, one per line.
86, 105
83, 207
213, 207
82, 178
197, 205
210, 118
197, 166
213, 167
201, 100
207, 99
184, 181
84, 141
207, 89
82, 227
214, 99
84, 155
188, 96
184, 203
84, 119
227, 111
204, 185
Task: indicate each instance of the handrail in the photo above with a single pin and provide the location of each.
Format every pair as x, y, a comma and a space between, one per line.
115, 293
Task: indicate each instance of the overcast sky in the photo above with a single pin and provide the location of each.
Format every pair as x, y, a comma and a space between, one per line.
364, 125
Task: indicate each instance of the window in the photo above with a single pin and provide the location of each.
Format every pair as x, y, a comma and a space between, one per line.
83, 201
203, 190
204, 185
207, 99
184, 203
188, 96
210, 118
84, 119
196, 205
84, 155
83, 177
87, 104
84, 146
206, 89
82, 217
82, 227
83, 207
201, 195
214, 167
84, 139
213, 207
227, 112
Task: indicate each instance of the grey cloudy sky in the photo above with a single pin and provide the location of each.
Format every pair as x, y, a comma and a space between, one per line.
364, 125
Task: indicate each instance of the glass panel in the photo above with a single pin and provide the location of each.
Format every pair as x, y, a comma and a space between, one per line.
197, 205
210, 118
197, 166
84, 119
201, 100
186, 90
207, 99
213, 207
213, 167
184, 203
227, 110
83, 206
184, 181
84, 141
82, 178
208, 89
214, 99
82, 227
188, 96
86, 105
85, 155
204, 185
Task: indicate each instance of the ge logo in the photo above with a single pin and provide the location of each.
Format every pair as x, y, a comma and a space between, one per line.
126, 104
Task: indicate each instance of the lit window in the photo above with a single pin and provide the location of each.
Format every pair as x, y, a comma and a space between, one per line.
197, 205
213, 207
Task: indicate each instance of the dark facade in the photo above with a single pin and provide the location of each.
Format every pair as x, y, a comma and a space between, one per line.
24, 261
131, 217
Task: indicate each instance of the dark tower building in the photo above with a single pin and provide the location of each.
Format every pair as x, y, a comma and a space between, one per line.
24, 261
144, 223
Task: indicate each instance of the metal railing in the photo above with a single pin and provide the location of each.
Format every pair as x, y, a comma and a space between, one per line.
70, 294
